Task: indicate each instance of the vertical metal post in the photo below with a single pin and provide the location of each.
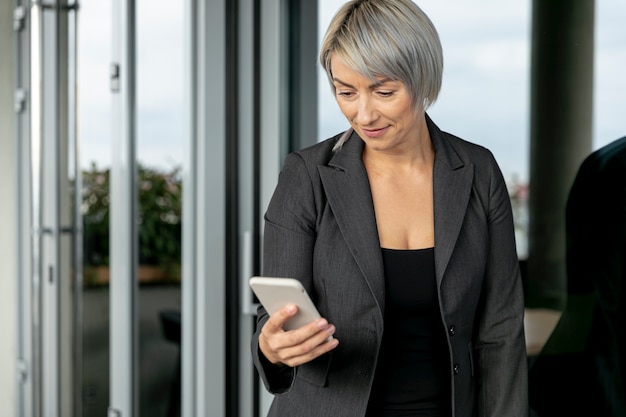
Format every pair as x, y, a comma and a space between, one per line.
273, 112
8, 212
49, 231
561, 135
274, 82
34, 154
302, 72
189, 209
247, 166
46, 359
27, 394
204, 194
123, 229
75, 284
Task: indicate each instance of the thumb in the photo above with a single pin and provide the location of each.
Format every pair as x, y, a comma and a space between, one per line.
278, 319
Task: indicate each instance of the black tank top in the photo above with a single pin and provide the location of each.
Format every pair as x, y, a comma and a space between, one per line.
412, 372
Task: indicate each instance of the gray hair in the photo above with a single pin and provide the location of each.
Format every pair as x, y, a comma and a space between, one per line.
387, 38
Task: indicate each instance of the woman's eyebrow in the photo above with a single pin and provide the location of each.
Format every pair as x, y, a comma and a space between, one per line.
337, 80
371, 86
380, 82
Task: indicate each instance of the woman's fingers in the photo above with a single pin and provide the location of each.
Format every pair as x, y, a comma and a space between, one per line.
300, 355
277, 320
298, 346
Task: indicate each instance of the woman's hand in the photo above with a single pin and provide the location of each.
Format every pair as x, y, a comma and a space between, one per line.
295, 347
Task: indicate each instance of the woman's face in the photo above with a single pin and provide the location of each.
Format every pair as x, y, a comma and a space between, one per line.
381, 112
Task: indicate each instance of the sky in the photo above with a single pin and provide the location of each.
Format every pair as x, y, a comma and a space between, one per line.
159, 83
486, 46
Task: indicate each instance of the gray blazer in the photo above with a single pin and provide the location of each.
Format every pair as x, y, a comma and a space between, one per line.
320, 228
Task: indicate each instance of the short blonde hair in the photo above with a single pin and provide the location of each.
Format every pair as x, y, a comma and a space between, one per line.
388, 38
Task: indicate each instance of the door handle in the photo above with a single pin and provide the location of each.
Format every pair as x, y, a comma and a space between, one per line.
248, 306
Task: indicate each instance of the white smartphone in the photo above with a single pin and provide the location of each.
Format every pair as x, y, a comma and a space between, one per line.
275, 293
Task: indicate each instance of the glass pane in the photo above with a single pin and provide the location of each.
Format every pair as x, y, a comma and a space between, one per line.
94, 138
160, 155
609, 81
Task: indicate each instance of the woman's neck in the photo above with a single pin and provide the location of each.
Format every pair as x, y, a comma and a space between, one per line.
418, 155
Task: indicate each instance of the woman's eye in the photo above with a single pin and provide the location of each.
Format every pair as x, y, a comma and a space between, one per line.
344, 93
385, 93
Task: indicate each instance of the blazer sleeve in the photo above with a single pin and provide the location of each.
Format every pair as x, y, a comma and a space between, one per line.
500, 346
289, 238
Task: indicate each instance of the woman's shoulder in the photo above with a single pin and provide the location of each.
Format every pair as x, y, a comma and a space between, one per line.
466, 149
452, 146
461, 152
317, 154
471, 153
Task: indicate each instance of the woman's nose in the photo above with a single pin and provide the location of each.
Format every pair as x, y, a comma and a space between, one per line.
366, 113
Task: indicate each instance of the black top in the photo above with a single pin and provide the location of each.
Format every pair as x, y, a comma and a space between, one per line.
411, 377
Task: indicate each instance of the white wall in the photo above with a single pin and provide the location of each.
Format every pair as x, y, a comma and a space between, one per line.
8, 252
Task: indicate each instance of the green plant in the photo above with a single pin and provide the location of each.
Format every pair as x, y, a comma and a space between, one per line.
95, 212
158, 215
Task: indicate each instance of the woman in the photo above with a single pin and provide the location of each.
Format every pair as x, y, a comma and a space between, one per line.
403, 236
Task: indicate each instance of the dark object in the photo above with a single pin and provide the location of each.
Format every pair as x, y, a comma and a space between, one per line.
582, 368
170, 324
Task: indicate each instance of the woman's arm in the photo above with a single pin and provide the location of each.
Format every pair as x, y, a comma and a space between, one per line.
289, 239
500, 343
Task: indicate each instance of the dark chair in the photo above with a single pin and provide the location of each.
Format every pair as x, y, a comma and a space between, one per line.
171, 327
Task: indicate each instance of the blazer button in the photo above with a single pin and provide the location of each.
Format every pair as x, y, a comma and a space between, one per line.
451, 330
456, 368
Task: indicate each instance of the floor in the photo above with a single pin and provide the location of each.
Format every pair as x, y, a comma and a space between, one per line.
158, 357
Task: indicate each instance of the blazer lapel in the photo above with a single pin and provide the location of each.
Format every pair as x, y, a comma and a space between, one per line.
348, 191
452, 184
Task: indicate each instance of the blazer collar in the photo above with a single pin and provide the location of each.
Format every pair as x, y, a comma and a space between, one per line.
348, 191
452, 185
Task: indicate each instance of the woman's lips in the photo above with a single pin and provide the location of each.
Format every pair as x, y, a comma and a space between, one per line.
375, 133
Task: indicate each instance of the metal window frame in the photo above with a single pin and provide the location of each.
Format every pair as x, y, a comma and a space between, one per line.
26, 391
48, 233
234, 148
248, 163
203, 369
45, 227
210, 126
123, 215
